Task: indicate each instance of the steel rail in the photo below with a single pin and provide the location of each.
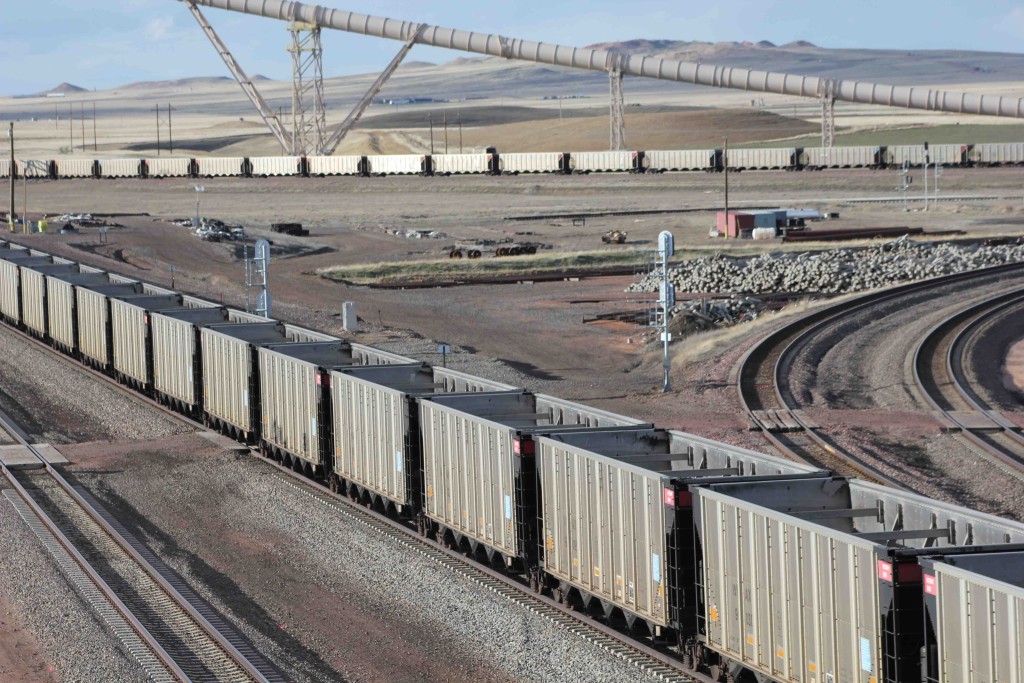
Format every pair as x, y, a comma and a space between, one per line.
642, 656
786, 340
929, 387
219, 639
643, 66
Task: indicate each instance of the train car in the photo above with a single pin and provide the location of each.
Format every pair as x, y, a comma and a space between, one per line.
167, 168
295, 398
514, 163
639, 567
377, 449
974, 606
763, 159
478, 466
341, 165
92, 304
177, 353
661, 161
212, 167
10, 280
231, 390
815, 158
75, 168
915, 155
62, 308
34, 168
33, 293
603, 162
993, 154
398, 164
262, 167
5, 168
130, 335
819, 579
119, 168
460, 164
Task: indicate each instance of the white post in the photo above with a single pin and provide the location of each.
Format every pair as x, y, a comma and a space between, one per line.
666, 247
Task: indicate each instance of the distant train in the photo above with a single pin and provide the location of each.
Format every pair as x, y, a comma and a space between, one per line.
491, 162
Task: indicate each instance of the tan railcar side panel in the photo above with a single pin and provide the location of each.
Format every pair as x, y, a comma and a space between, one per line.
226, 368
92, 325
33, 300
820, 616
289, 404
468, 476
60, 304
129, 330
369, 433
604, 529
174, 348
9, 289
980, 622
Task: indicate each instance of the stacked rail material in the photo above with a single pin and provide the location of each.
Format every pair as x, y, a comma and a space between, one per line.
530, 162
603, 162
92, 304
680, 160
397, 164
642, 563
762, 159
211, 167
129, 324
271, 166
841, 157
478, 467
168, 168
345, 165
847, 234
377, 448
119, 168
61, 306
76, 168
455, 164
295, 396
975, 617
795, 574
33, 292
998, 154
177, 361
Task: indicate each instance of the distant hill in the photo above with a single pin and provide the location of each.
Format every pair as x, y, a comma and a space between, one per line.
178, 83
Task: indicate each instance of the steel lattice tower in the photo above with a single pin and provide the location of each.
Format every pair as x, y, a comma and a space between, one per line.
309, 116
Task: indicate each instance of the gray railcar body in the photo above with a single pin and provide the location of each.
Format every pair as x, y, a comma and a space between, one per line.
10, 280
376, 424
616, 519
33, 294
814, 580
478, 469
132, 344
62, 309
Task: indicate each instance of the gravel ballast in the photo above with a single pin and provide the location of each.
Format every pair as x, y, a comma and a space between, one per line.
78, 645
320, 590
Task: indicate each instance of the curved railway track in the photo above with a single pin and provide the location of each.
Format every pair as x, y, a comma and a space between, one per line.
658, 661
764, 391
171, 632
942, 383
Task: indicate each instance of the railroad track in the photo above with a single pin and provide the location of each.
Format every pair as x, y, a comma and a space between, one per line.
942, 383
660, 663
770, 406
168, 629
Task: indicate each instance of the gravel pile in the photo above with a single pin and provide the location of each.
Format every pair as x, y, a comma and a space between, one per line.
835, 271
69, 634
57, 402
456, 621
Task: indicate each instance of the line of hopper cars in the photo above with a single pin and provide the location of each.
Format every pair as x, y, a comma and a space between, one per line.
492, 162
752, 567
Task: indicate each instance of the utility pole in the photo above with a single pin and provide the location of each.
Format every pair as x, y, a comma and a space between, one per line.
170, 131
94, 145
460, 131
444, 118
158, 130
430, 120
10, 217
667, 299
725, 163
71, 127
81, 117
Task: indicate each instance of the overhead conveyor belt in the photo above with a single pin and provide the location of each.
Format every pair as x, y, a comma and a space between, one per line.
643, 66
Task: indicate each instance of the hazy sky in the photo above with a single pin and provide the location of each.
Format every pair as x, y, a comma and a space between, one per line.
100, 44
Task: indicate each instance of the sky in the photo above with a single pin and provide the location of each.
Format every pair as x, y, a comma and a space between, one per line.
102, 44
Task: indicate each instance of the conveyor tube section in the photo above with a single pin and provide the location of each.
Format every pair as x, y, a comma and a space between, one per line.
631, 64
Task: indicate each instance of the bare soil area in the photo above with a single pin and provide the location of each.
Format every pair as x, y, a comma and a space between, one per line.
21, 659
